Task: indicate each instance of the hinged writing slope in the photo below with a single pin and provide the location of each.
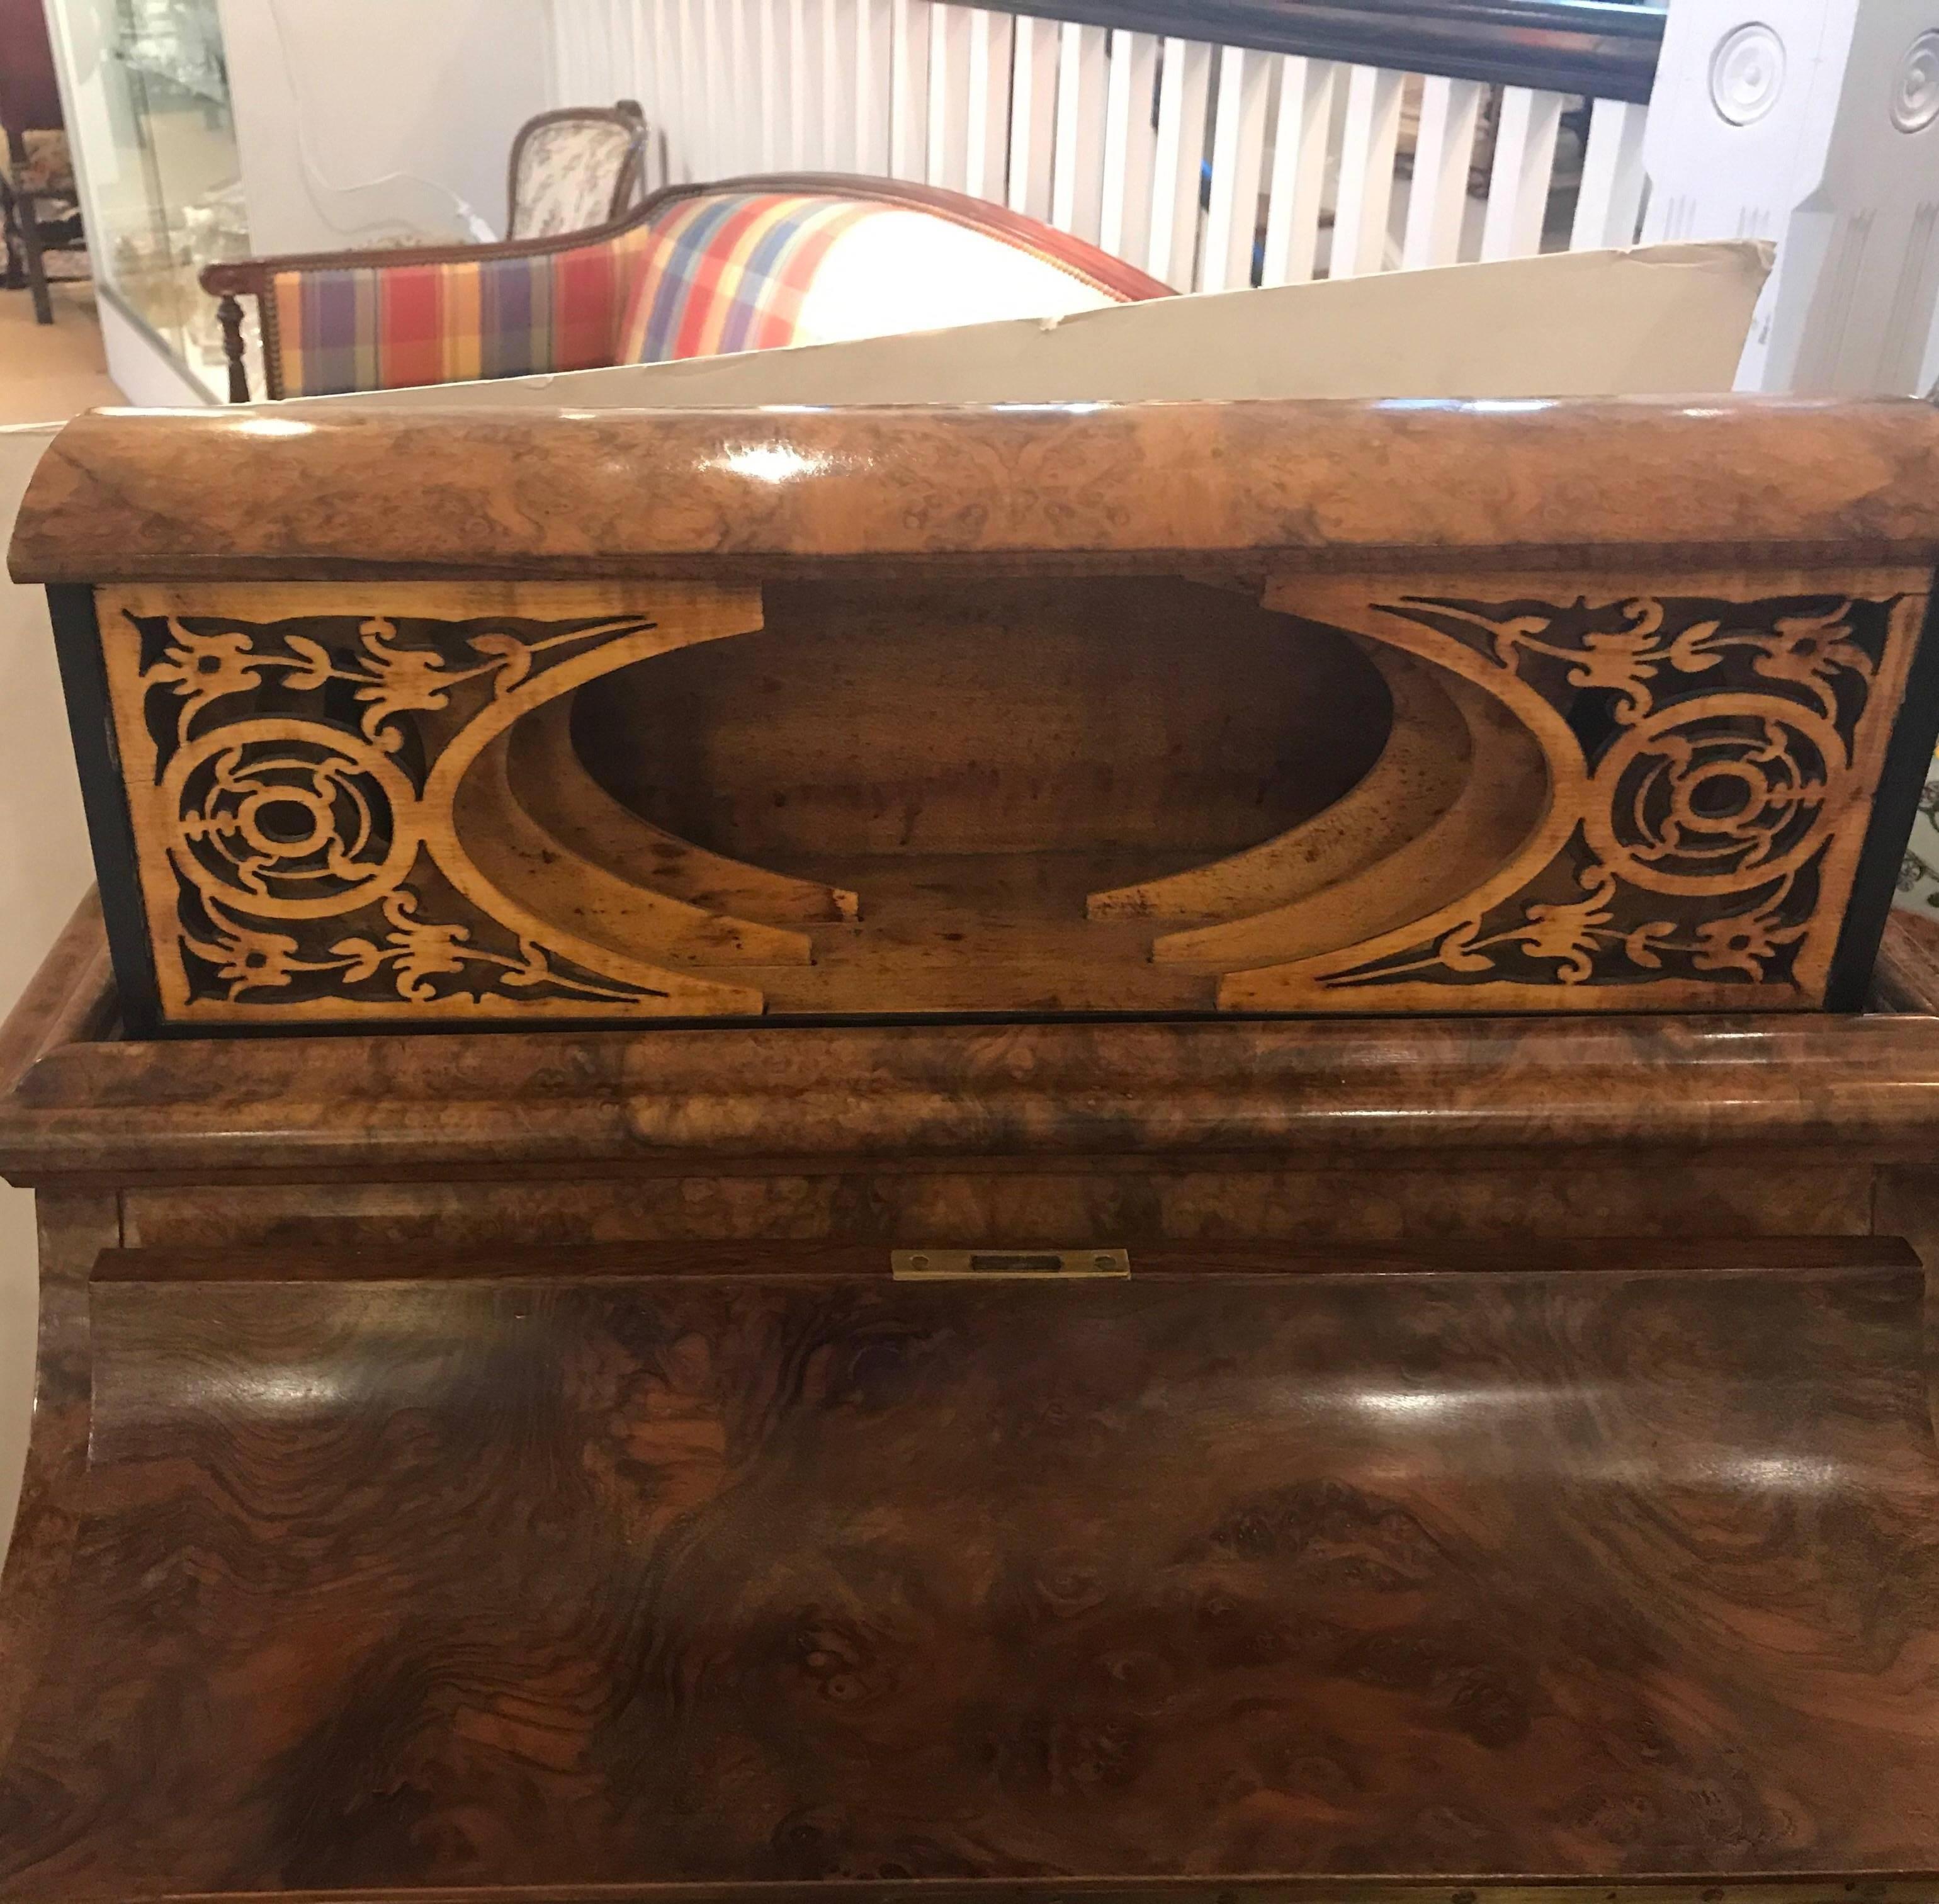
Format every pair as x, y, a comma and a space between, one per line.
505, 1467
1174, 708
646, 1567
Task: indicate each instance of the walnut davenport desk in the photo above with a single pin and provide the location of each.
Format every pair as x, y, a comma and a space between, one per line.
1154, 1155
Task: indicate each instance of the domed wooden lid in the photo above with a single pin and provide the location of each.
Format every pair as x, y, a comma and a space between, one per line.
270, 493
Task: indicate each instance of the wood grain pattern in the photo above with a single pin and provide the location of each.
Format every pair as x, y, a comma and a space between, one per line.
1908, 966
1424, 762
235, 495
1779, 1195
1501, 794
1504, 1569
555, 791
74, 1228
507, 1449
1350, 1093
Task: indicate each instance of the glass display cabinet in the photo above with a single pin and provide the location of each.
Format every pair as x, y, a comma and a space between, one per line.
155, 142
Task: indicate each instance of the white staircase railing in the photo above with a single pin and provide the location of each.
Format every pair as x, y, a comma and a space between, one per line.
1221, 143
1211, 162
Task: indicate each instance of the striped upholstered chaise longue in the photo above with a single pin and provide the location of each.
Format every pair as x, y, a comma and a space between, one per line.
693, 271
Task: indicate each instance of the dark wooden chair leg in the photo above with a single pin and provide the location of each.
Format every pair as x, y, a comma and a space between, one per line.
228, 315
28, 215
13, 276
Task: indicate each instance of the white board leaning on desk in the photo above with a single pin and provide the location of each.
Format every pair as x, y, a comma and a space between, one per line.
1660, 320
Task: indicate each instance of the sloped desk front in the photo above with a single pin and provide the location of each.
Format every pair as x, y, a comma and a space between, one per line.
505, 1467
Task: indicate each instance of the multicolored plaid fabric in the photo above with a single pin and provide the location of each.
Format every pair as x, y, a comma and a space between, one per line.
380, 326
707, 274
728, 272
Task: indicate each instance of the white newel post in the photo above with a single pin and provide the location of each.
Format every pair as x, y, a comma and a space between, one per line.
1814, 123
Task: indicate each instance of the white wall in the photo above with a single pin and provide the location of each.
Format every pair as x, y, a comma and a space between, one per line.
45, 868
362, 120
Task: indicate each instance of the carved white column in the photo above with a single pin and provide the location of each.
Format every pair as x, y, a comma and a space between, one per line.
1814, 123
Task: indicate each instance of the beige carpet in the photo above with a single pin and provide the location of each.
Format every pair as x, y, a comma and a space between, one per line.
50, 372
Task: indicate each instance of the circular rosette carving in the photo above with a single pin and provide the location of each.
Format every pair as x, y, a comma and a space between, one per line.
290, 818
1711, 798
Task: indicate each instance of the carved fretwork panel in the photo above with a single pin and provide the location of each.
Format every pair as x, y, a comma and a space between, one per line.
293, 757
1713, 747
1467, 793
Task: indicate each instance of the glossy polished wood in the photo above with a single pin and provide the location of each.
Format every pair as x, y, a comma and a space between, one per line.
1076, 709
1355, 1090
500, 1576
502, 1463
1908, 966
233, 495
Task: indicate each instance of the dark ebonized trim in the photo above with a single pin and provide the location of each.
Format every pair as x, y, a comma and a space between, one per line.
90, 719
1908, 760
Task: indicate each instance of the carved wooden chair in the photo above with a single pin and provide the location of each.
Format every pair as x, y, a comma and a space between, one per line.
575, 170
694, 271
40, 213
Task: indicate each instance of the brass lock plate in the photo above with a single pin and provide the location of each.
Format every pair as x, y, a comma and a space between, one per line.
1005, 1265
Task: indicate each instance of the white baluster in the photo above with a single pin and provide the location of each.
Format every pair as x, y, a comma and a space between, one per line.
802, 97
658, 92
605, 55
873, 52
1184, 86
563, 44
719, 136
1443, 153
1032, 115
986, 154
908, 88
1238, 151
836, 48
1610, 201
622, 29
1301, 134
693, 94
1131, 145
741, 84
948, 95
647, 79
768, 26
583, 58
1524, 166
1371, 138
1077, 198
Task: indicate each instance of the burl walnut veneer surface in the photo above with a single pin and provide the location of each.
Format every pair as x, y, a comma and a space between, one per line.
676, 1569
238, 493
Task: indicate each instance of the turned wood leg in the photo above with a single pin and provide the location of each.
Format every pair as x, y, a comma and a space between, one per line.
228, 315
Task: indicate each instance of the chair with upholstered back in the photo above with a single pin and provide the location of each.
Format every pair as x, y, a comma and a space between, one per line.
694, 271
574, 171
574, 168
40, 227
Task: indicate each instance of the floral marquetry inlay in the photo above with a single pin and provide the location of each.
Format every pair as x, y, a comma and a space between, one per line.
1711, 757
293, 763
1579, 794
